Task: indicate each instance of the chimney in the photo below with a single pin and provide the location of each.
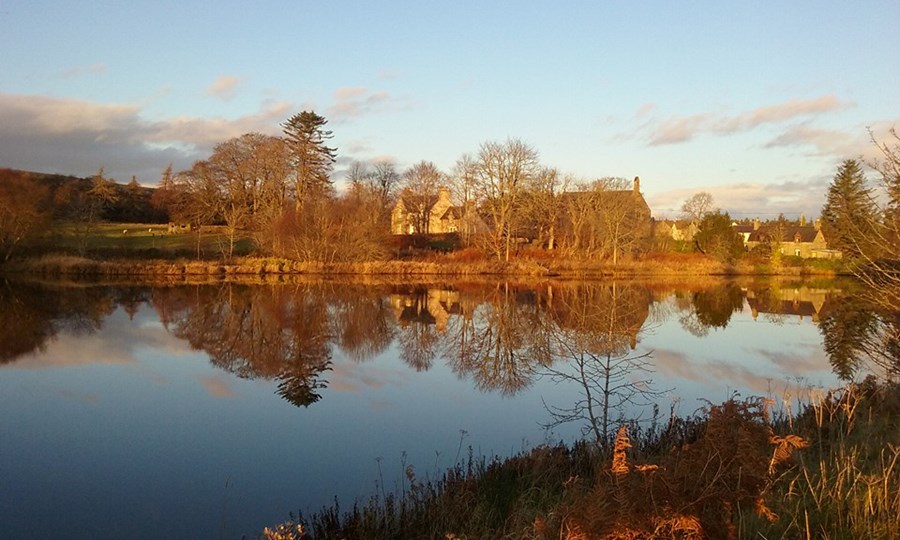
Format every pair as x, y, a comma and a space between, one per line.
756, 224
818, 224
637, 185
802, 220
444, 194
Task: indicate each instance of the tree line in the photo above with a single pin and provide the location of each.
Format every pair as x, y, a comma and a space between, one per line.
278, 192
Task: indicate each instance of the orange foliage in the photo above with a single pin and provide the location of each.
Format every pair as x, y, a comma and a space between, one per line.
692, 491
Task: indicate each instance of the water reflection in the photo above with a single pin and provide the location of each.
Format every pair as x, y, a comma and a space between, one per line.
31, 315
593, 332
501, 336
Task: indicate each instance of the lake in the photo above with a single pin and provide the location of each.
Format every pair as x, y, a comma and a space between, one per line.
214, 410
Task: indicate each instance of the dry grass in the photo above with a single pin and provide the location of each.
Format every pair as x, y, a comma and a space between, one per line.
731, 471
464, 262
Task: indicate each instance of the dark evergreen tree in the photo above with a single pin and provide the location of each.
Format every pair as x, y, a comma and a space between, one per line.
312, 159
849, 212
718, 238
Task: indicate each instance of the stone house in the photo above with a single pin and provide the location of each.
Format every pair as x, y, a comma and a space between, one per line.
806, 242
682, 230
415, 214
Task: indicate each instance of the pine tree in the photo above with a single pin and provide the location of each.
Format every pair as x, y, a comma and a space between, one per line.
849, 212
305, 136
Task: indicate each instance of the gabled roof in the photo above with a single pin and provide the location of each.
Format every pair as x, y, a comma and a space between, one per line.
454, 212
414, 203
616, 197
790, 234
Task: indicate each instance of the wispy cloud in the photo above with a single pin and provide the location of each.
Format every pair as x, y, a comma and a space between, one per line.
750, 199
829, 142
678, 130
224, 88
353, 102
779, 113
645, 110
681, 129
81, 71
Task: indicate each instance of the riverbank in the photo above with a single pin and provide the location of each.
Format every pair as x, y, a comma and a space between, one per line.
438, 265
735, 470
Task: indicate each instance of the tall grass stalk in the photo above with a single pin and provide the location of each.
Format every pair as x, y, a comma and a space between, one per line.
830, 471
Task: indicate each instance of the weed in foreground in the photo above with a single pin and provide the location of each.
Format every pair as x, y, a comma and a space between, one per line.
731, 471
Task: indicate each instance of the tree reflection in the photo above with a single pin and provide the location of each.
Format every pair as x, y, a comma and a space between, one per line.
593, 332
855, 331
363, 322
501, 344
712, 308
418, 313
279, 333
31, 315
501, 336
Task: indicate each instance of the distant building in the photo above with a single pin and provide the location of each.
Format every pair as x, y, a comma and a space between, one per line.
799, 241
746, 230
681, 230
416, 214
628, 204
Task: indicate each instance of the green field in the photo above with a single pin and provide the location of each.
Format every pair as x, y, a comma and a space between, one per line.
140, 239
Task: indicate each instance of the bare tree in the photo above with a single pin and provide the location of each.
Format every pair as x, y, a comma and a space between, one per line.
545, 204
878, 238
620, 219
385, 180
245, 179
23, 211
605, 219
697, 206
594, 332
463, 182
504, 171
421, 183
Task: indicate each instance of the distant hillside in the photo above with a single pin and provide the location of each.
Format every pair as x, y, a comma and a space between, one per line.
133, 204
54, 181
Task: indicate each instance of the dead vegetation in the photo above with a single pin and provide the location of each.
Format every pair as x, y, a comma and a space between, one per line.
730, 471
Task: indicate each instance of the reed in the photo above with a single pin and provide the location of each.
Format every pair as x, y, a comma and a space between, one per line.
730, 471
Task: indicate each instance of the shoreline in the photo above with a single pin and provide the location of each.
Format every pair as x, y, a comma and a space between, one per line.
251, 268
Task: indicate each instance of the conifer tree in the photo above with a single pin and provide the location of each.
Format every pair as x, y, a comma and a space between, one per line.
312, 159
849, 212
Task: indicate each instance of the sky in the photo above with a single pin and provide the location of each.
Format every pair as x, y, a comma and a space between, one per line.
754, 102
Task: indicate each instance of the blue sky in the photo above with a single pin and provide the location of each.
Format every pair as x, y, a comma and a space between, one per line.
754, 102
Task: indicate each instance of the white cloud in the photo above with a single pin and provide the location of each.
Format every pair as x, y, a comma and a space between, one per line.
750, 199
81, 71
681, 129
353, 102
780, 112
224, 88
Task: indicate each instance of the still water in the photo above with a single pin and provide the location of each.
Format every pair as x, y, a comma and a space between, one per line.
211, 411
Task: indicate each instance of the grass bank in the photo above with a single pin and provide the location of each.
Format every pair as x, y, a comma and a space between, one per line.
453, 264
733, 470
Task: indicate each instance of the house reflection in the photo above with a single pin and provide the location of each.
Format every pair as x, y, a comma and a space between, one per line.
802, 302
427, 306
